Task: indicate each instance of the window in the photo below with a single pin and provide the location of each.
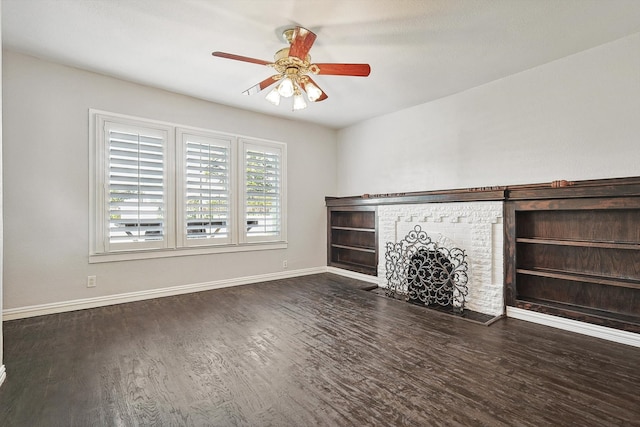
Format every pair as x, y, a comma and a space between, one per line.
133, 188
166, 188
263, 191
206, 184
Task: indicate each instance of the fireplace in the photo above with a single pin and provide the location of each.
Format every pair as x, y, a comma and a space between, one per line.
471, 232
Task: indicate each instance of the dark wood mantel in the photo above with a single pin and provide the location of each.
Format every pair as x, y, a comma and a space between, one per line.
560, 189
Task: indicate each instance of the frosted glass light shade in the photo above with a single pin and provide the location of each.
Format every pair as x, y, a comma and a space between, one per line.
313, 92
286, 87
273, 97
298, 102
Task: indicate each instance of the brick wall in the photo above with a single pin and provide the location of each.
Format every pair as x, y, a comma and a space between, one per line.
475, 227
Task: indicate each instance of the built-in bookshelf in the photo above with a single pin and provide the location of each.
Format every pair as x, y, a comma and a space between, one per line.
352, 239
575, 252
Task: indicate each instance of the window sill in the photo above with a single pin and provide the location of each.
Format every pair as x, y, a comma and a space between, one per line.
169, 253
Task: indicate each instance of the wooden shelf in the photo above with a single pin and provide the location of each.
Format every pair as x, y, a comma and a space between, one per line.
359, 268
355, 248
365, 230
354, 264
579, 243
581, 313
580, 277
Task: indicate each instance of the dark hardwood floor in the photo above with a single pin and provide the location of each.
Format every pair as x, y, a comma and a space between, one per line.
310, 351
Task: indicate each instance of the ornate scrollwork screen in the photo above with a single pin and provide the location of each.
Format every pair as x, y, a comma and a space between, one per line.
426, 273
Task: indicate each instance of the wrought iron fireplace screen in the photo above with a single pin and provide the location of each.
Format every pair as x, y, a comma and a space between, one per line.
425, 273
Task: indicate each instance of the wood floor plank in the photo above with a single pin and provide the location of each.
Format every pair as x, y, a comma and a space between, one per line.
311, 351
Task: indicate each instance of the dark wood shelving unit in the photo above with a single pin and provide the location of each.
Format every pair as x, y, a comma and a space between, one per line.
576, 254
353, 238
572, 249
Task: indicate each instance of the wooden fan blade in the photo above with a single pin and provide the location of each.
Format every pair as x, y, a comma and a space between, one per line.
358, 70
303, 84
240, 58
301, 42
262, 85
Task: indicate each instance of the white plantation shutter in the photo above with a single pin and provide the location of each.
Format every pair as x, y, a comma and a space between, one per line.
263, 191
136, 187
162, 190
207, 186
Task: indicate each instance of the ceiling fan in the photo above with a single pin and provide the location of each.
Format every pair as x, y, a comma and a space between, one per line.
294, 67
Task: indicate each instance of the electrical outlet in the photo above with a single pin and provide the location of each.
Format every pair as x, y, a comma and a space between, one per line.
91, 281
284, 264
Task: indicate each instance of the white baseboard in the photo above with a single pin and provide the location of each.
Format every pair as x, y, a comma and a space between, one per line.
3, 374
81, 304
353, 275
596, 331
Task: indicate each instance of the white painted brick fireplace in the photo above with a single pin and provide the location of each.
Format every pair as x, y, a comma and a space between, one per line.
475, 227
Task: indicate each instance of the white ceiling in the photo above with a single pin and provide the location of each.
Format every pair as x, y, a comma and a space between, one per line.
419, 50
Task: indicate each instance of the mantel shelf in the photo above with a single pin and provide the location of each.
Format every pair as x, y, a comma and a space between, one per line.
579, 243
580, 277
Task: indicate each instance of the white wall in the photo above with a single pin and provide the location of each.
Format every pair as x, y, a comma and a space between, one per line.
575, 118
2, 369
46, 185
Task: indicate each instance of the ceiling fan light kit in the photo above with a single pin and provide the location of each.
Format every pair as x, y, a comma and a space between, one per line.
293, 65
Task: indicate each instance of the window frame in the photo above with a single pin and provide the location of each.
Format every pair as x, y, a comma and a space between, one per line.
176, 242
